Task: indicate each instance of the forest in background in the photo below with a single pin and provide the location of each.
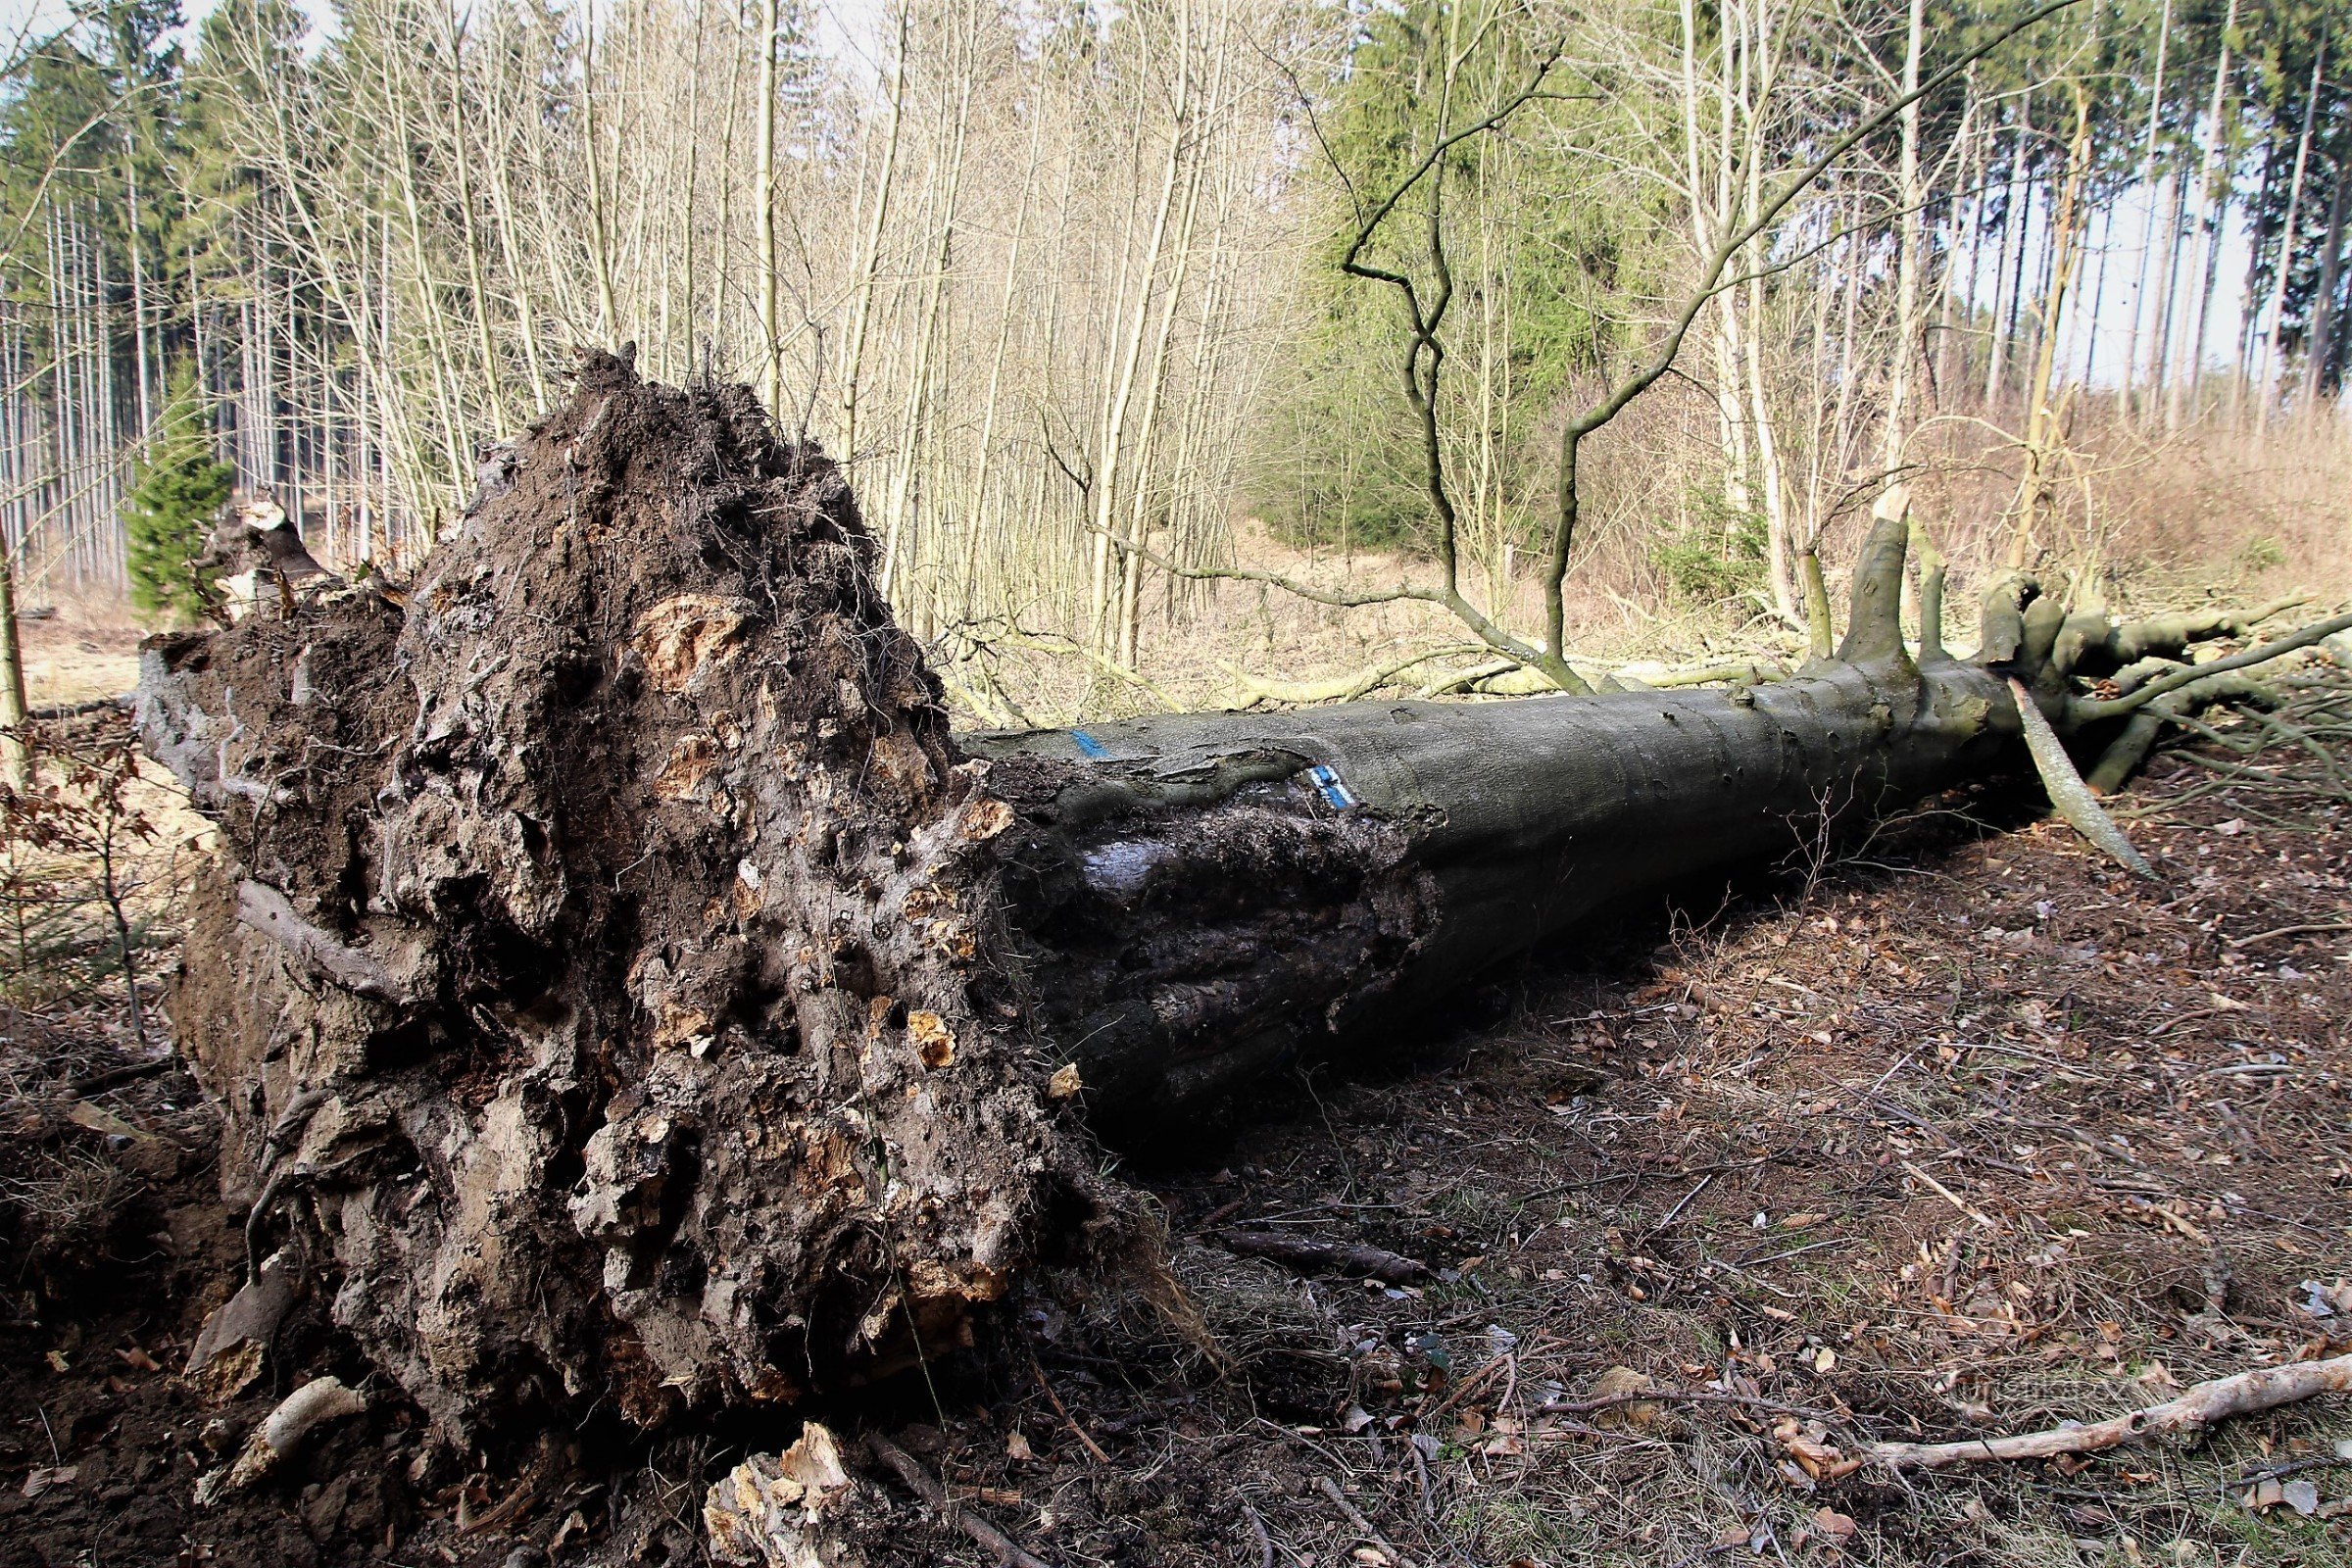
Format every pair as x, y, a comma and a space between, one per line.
1061, 282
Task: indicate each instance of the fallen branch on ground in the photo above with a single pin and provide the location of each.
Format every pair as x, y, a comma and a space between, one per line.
1311, 1256
1363, 1526
2289, 931
927, 1487
2205, 1405
1342, 688
1744, 1401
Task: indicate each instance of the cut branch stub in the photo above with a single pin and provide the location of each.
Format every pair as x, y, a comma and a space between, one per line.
615, 900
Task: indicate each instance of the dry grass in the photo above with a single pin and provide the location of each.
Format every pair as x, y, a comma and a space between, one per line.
2147, 521
2152, 520
89, 649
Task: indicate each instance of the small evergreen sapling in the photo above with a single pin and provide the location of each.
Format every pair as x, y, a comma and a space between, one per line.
169, 516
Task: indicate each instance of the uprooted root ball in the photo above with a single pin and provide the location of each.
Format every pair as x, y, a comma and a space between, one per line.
591, 966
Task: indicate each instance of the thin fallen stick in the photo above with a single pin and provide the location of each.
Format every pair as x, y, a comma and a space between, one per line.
1746, 1401
1464, 1389
1675, 1212
1363, 1526
1061, 1411
927, 1487
2288, 931
2204, 1406
1258, 1528
1309, 1256
1954, 1199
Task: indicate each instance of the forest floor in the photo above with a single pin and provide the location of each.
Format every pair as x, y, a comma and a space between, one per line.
1958, 1130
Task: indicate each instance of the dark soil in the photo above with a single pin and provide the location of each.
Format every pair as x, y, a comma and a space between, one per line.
1960, 1132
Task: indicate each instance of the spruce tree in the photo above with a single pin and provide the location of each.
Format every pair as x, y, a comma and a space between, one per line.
171, 509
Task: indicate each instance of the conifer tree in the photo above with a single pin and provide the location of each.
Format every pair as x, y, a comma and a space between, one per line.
169, 512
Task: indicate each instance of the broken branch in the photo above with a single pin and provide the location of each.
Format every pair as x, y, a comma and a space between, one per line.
2069, 795
2205, 1405
927, 1487
1311, 1256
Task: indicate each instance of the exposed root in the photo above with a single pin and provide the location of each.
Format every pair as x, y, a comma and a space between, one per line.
316, 1404
596, 935
784, 1511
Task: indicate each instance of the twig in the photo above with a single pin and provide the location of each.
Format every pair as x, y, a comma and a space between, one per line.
1258, 1528
2279, 1472
1684, 1202
1681, 1396
1008, 1555
1337, 1257
1331, 1488
506, 1511
1464, 1389
1067, 1420
99, 1083
1954, 1199
2288, 931
1793, 1251
2204, 1406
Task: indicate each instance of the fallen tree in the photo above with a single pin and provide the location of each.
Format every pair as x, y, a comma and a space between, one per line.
627, 992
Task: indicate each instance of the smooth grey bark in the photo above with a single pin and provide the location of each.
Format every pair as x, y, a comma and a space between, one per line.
1200, 898
1211, 894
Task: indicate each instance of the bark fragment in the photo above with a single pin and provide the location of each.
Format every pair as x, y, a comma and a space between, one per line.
781, 1510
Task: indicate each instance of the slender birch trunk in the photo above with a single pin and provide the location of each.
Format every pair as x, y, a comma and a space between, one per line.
2213, 207
2275, 311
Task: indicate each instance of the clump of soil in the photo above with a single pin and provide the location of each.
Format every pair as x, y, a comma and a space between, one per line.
590, 967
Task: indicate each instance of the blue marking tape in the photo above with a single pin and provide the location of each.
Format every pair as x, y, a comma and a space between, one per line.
1088, 745
1326, 778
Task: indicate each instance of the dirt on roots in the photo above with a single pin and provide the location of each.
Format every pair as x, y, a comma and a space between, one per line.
589, 967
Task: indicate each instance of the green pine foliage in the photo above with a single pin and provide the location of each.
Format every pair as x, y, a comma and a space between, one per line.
1715, 558
169, 512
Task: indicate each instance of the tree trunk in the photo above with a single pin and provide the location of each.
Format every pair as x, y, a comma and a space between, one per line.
16, 751
2148, 194
2266, 367
2319, 352
2213, 215
646, 1005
